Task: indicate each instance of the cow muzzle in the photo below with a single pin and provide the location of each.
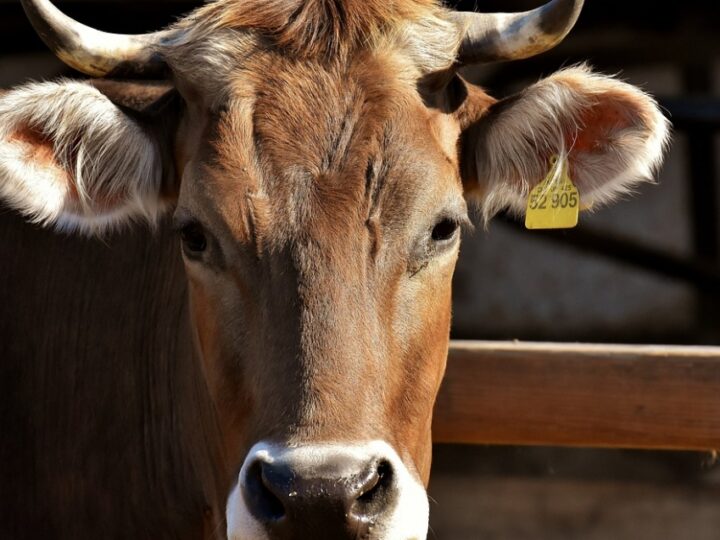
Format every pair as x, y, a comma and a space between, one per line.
326, 491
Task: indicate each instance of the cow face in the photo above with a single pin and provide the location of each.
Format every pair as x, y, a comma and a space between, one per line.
320, 263
318, 174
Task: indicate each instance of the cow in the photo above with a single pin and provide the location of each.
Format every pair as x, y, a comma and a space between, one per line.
316, 160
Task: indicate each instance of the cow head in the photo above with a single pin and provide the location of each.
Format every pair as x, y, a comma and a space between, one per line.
318, 157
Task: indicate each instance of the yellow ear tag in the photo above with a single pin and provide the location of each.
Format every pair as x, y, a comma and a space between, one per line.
555, 202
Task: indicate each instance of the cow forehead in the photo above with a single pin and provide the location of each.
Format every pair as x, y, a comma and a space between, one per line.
311, 145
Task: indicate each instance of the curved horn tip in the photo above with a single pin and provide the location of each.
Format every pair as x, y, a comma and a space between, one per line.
91, 51
493, 37
559, 16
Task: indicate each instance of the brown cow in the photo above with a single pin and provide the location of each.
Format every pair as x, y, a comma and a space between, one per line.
317, 157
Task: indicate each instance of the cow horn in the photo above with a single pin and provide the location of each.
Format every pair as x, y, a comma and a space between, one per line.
93, 52
491, 37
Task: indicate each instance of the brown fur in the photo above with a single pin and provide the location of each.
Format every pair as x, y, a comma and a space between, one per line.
308, 324
314, 28
109, 431
39, 147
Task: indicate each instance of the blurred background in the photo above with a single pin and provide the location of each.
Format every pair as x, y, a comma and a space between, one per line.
643, 271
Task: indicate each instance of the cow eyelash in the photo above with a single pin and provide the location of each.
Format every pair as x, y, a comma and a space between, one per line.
193, 237
439, 239
445, 229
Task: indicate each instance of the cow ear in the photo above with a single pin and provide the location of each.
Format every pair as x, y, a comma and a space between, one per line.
612, 134
86, 156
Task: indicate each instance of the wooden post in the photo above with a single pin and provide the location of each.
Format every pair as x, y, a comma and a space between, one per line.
652, 397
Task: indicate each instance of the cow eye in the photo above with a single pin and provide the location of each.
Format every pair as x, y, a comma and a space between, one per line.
193, 239
442, 238
445, 230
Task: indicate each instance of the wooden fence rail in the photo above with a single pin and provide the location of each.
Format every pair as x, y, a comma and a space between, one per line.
652, 397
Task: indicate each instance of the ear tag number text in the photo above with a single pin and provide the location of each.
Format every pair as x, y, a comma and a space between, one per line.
555, 202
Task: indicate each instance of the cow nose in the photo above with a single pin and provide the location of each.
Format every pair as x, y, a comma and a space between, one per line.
340, 497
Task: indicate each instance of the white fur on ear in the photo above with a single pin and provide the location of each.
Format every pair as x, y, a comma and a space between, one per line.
512, 144
72, 159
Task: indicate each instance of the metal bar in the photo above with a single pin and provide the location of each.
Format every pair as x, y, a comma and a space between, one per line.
689, 113
703, 194
704, 275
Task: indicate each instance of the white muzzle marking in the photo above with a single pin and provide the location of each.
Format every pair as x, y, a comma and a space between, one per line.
407, 520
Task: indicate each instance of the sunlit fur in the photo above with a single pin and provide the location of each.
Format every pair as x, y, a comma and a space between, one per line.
217, 36
612, 133
331, 28
71, 158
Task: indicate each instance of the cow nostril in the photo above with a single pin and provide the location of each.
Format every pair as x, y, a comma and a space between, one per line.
261, 501
375, 492
376, 483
